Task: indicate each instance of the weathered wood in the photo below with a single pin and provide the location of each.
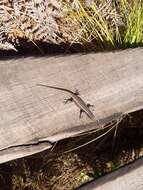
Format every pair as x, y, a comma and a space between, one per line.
30, 114
128, 177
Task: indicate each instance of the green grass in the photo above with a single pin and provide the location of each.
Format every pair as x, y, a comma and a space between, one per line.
107, 23
134, 30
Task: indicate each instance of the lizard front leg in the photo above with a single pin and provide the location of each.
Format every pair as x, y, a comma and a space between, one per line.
68, 100
71, 99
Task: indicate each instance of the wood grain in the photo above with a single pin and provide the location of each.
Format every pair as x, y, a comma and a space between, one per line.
30, 114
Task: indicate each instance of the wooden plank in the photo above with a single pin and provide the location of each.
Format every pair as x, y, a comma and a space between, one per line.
30, 114
128, 177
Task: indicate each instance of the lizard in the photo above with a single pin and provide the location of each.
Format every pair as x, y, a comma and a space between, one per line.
76, 99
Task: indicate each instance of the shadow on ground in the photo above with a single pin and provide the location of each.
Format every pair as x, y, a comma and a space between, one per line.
44, 49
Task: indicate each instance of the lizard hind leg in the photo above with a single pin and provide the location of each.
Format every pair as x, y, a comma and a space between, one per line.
80, 113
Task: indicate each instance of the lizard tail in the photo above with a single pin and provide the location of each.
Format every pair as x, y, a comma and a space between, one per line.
54, 87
